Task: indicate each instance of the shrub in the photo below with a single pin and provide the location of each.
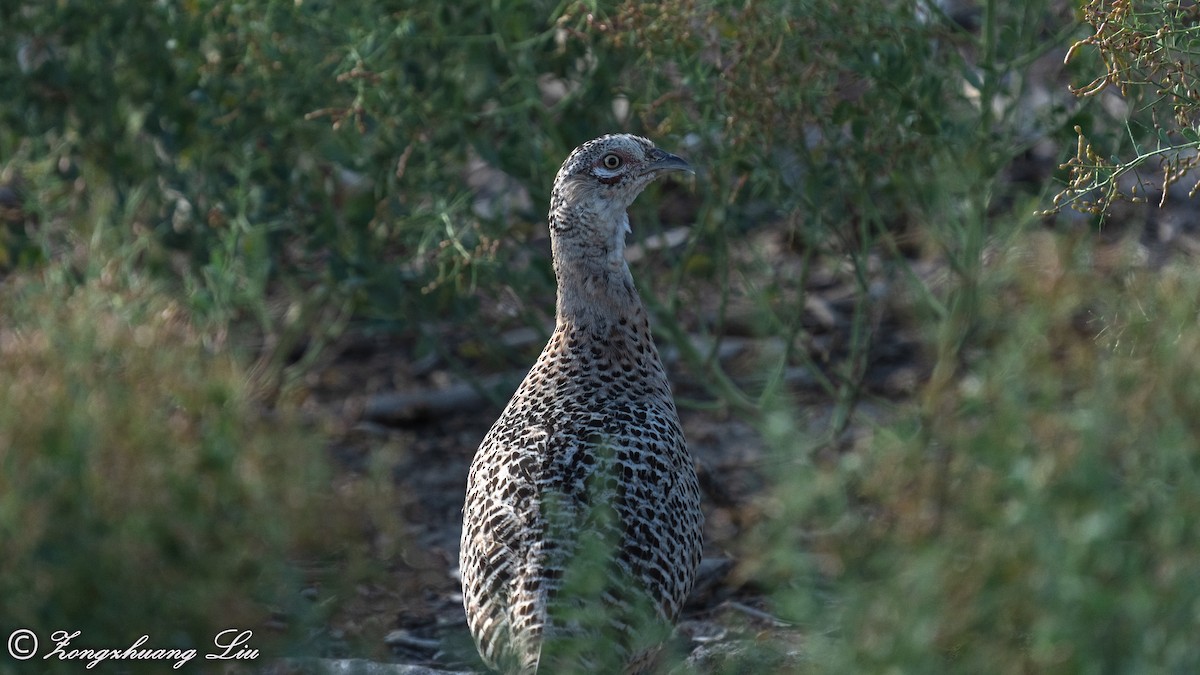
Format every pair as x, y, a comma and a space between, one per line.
143, 491
1033, 517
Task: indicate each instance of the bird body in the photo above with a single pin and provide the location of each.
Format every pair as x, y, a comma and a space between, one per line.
582, 522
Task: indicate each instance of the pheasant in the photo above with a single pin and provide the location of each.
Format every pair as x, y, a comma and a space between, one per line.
582, 527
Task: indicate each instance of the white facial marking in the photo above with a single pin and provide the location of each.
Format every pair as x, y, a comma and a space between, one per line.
604, 173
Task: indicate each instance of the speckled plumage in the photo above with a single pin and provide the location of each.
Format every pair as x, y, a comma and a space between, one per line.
582, 523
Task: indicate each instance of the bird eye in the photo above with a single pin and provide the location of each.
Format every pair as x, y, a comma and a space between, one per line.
611, 161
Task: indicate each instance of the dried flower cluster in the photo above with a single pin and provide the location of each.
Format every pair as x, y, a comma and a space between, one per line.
1150, 56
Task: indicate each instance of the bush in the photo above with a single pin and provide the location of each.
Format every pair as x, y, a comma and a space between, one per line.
1033, 517
142, 491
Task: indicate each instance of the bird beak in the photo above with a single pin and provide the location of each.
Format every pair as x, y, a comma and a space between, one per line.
665, 161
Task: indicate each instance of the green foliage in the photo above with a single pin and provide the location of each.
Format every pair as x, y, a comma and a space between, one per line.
183, 125
1040, 521
863, 132
299, 155
142, 492
313, 155
193, 193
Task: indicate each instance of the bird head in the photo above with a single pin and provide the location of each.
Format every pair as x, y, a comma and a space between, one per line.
601, 178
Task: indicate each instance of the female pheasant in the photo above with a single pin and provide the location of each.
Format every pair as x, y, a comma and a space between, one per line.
582, 524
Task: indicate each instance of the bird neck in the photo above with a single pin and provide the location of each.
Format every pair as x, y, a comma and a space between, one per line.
592, 295
595, 287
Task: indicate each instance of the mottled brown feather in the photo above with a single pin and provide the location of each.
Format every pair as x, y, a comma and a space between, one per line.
587, 457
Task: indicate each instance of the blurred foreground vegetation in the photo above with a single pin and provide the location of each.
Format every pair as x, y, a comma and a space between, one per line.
198, 198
